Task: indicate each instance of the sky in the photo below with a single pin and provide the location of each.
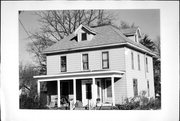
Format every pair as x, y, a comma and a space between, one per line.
148, 21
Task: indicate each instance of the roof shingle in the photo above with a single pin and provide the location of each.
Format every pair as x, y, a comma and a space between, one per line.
105, 35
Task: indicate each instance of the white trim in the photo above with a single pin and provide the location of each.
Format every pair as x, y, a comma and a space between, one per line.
60, 62
113, 95
38, 88
94, 91
85, 77
103, 45
88, 74
82, 61
87, 47
74, 90
58, 93
80, 27
141, 49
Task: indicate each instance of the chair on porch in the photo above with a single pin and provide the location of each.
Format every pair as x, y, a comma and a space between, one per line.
53, 103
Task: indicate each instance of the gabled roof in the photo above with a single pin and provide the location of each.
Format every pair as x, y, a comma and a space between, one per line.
86, 27
105, 36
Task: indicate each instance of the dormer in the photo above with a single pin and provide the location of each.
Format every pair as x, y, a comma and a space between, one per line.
132, 33
84, 33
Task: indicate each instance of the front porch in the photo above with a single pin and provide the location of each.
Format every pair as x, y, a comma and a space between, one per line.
85, 87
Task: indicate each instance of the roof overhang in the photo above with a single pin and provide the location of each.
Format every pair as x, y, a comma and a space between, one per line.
101, 46
80, 75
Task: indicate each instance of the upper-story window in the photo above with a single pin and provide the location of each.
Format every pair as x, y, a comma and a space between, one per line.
85, 61
84, 36
132, 60
146, 64
63, 64
135, 87
105, 60
139, 66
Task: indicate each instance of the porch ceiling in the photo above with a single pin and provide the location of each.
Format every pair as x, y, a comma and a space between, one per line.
81, 75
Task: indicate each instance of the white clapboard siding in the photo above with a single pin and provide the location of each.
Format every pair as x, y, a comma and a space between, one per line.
74, 61
120, 90
53, 64
140, 75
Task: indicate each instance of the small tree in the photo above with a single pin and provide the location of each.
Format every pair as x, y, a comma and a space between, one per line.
125, 25
26, 73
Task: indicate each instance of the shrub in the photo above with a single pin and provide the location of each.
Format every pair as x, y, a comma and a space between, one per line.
140, 103
27, 102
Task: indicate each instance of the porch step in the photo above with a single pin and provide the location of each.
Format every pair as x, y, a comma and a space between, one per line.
106, 104
105, 108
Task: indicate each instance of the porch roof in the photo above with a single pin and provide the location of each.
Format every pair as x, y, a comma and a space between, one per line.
81, 75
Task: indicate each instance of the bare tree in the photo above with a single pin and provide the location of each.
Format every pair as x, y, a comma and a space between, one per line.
125, 25
58, 24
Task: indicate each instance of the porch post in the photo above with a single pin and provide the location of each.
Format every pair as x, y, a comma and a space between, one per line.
113, 96
58, 92
94, 93
38, 88
74, 90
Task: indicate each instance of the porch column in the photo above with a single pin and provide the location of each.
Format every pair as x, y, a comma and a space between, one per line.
58, 92
94, 91
113, 96
74, 90
38, 88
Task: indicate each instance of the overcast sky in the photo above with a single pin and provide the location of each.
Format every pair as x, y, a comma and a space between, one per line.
147, 20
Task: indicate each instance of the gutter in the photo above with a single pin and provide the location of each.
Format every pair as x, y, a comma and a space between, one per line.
101, 46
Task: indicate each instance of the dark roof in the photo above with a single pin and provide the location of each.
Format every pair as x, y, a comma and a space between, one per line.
105, 35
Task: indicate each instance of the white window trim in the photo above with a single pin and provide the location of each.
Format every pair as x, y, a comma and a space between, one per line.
108, 59
66, 62
82, 61
139, 61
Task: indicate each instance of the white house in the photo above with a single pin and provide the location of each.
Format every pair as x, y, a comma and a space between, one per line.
102, 62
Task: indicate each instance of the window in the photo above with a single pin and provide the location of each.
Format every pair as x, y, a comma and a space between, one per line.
148, 87
105, 60
109, 88
84, 36
63, 64
85, 62
135, 87
132, 60
146, 64
139, 68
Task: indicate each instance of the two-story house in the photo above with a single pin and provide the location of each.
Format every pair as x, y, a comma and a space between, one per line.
102, 62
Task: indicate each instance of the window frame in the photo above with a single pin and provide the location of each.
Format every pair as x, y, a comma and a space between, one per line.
62, 64
139, 62
85, 62
105, 60
135, 87
148, 87
132, 60
85, 35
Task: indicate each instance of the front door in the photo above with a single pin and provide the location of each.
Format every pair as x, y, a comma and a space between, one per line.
88, 91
